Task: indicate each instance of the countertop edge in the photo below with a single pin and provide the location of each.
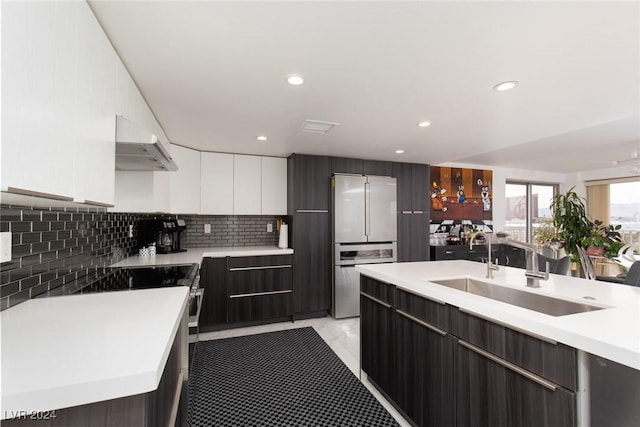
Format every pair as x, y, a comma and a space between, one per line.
83, 393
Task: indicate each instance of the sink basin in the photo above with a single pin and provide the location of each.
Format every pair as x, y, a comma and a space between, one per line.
528, 300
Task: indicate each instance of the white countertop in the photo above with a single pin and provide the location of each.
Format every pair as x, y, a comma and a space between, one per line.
66, 351
612, 333
195, 255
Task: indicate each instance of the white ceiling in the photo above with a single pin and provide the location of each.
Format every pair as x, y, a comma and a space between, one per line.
214, 73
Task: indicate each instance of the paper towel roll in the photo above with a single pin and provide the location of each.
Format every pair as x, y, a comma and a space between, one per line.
283, 243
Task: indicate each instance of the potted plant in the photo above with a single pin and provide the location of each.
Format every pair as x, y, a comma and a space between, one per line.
569, 216
547, 236
602, 240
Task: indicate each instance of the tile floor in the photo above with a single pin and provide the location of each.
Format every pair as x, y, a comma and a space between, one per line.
343, 336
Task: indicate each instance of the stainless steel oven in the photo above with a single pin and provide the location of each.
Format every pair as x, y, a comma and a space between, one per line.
346, 289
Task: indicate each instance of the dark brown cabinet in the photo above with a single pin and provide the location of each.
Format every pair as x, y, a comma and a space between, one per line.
424, 361
450, 367
413, 212
491, 392
346, 165
308, 204
311, 242
246, 290
308, 183
377, 334
377, 167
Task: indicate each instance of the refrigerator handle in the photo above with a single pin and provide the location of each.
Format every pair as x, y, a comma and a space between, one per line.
367, 208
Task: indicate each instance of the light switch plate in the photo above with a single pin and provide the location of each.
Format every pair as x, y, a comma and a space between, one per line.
207, 228
5, 246
269, 227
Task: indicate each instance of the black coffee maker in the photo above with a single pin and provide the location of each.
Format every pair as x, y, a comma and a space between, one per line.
165, 233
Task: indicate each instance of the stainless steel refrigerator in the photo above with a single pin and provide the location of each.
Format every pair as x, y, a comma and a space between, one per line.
364, 232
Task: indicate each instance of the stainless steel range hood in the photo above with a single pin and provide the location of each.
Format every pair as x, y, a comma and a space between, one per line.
140, 150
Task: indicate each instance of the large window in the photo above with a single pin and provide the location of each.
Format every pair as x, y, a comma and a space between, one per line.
624, 209
527, 206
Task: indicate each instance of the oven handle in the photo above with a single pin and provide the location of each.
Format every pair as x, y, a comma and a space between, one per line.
193, 320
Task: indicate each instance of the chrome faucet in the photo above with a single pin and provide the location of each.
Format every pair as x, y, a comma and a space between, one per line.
533, 275
491, 267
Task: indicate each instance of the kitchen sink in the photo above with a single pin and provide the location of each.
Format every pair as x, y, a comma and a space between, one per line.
540, 303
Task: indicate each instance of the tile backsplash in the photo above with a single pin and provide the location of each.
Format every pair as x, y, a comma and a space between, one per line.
53, 246
232, 230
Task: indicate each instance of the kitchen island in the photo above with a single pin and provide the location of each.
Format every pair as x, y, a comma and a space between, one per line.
483, 361
114, 358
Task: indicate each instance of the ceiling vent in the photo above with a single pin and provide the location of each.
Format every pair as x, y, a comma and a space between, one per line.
317, 126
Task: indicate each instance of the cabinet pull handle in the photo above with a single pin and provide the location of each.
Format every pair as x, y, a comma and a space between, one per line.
312, 211
264, 267
257, 294
515, 328
422, 323
25, 192
407, 212
448, 252
376, 300
507, 260
551, 386
418, 212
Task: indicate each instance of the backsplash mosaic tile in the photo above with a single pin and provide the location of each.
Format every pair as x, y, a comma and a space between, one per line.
53, 246
232, 230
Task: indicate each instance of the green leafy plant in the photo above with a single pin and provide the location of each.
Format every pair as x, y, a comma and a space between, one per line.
569, 216
546, 234
604, 236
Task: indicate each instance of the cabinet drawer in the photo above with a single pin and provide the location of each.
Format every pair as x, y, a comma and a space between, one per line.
434, 313
380, 291
553, 361
251, 308
259, 281
260, 261
451, 252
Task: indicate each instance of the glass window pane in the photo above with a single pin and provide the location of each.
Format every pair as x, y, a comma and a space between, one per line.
624, 209
541, 196
516, 211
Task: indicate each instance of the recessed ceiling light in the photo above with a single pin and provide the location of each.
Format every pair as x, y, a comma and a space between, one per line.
295, 80
262, 138
399, 151
424, 124
501, 87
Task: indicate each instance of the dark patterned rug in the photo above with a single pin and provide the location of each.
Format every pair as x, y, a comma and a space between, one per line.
285, 378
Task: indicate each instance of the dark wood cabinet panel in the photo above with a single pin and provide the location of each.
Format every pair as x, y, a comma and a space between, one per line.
213, 277
404, 181
553, 361
311, 242
259, 307
260, 261
490, 394
420, 193
346, 165
424, 373
377, 167
442, 253
308, 183
432, 312
380, 291
413, 237
377, 341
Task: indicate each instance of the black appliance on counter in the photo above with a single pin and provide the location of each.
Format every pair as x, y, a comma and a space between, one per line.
165, 233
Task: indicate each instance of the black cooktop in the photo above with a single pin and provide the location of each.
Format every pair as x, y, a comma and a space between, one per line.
127, 279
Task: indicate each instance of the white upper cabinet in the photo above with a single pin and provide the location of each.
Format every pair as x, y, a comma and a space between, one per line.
39, 75
246, 185
184, 184
95, 113
216, 183
274, 186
